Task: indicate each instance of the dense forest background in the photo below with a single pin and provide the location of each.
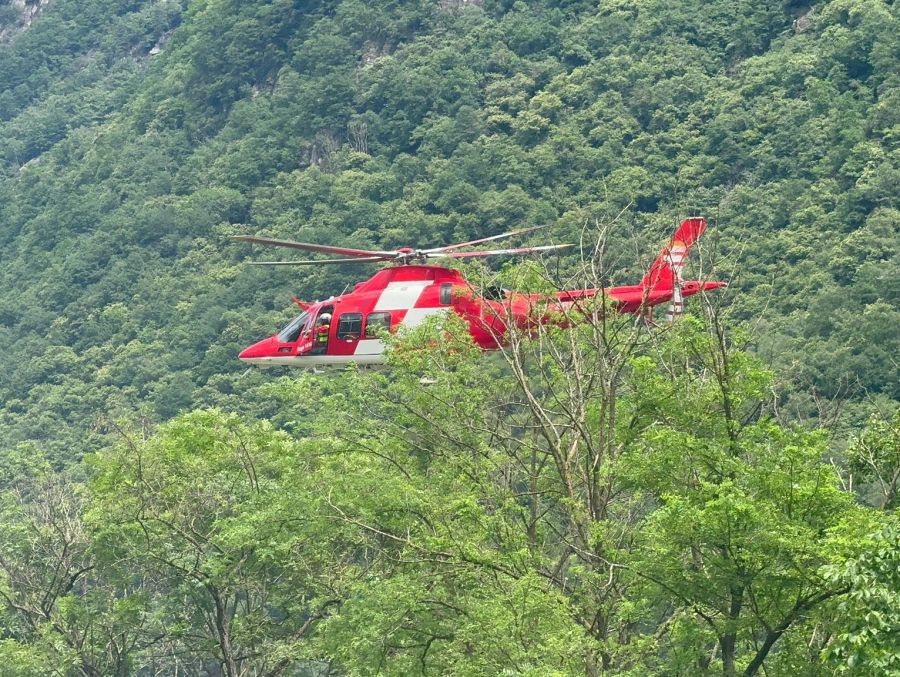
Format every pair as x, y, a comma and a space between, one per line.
136, 136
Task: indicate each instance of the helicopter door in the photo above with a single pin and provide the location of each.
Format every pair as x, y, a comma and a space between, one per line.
322, 330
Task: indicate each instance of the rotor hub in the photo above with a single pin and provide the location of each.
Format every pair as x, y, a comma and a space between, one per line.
406, 255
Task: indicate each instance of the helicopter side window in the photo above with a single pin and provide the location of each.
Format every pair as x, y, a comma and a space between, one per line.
446, 293
350, 326
494, 293
377, 323
290, 333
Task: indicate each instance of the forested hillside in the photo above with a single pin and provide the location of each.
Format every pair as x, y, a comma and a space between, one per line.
736, 510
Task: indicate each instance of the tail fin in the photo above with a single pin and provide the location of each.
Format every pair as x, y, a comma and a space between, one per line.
665, 273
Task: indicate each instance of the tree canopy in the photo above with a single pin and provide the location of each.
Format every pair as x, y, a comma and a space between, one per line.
715, 497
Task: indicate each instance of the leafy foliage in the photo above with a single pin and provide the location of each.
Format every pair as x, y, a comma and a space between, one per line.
869, 611
874, 457
591, 500
138, 135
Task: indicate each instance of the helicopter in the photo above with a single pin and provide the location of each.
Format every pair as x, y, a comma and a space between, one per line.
349, 328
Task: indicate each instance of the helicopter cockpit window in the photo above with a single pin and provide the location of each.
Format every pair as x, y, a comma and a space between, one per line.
446, 293
377, 323
290, 333
350, 326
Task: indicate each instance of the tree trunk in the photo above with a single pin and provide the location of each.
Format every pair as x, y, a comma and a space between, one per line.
229, 660
727, 644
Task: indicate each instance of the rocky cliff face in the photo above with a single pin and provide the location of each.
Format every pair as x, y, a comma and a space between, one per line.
17, 15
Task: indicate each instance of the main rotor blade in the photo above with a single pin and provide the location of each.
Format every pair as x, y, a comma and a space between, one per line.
361, 259
321, 248
519, 231
501, 252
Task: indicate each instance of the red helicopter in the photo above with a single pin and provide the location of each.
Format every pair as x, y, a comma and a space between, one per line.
347, 329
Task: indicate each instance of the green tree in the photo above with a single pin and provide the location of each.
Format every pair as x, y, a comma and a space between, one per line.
61, 611
198, 510
874, 458
748, 512
869, 622
635, 475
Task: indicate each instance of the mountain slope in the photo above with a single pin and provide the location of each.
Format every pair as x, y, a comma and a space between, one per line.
138, 135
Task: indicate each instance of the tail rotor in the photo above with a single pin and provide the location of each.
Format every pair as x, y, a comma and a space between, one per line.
667, 271
677, 255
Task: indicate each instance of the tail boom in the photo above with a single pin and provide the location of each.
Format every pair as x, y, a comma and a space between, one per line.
664, 281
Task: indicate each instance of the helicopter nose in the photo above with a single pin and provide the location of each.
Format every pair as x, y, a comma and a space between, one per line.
260, 349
